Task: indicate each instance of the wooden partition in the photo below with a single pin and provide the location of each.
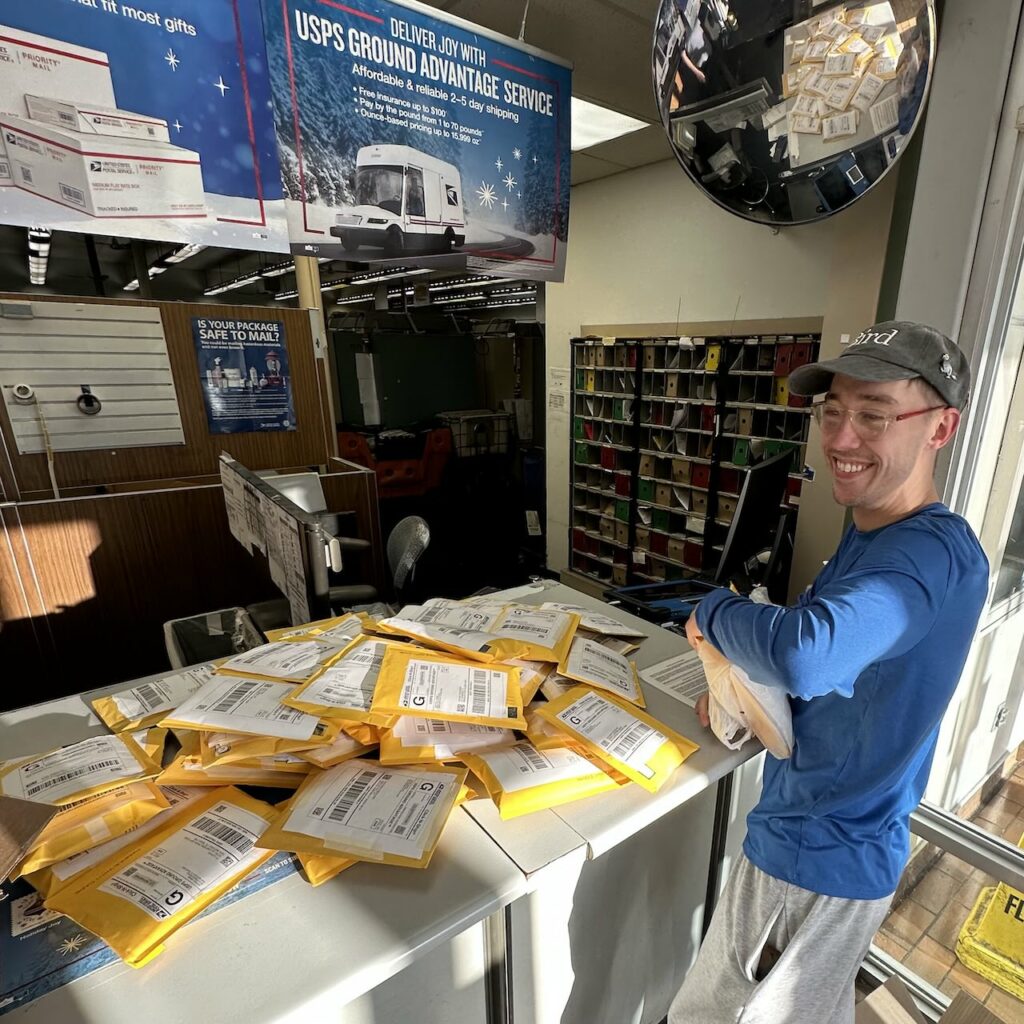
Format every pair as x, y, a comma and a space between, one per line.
25, 477
139, 536
98, 578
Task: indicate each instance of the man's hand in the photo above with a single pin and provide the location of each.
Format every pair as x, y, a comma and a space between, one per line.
693, 633
702, 710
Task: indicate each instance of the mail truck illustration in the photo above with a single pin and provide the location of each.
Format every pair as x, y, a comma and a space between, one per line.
406, 200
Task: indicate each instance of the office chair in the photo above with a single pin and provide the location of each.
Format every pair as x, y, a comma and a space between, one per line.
406, 544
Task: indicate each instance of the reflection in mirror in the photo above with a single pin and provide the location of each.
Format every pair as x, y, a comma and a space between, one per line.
786, 111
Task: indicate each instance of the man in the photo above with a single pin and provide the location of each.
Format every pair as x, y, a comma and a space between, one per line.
870, 656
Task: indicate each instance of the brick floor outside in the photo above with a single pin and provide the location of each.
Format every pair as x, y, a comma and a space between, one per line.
922, 931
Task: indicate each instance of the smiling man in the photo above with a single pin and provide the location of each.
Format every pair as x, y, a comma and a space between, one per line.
870, 656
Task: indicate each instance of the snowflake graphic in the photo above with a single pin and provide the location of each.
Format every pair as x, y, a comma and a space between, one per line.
504, 204
486, 194
498, 164
517, 153
509, 182
519, 195
72, 945
534, 159
172, 58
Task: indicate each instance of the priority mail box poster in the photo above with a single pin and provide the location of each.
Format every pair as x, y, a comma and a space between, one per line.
408, 136
140, 120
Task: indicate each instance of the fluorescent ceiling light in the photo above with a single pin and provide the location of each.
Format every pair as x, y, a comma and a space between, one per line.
38, 254
592, 125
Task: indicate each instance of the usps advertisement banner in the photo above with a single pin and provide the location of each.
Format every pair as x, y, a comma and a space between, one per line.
142, 120
407, 137
243, 368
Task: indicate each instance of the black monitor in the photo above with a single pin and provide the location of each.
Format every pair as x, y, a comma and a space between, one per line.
757, 514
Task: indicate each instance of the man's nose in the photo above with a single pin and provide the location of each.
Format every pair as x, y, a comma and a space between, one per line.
845, 438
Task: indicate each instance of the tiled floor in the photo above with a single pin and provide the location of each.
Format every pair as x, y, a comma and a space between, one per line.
922, 931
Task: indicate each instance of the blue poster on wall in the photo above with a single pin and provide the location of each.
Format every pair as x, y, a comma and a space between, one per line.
408, 135
143, 120
243, 367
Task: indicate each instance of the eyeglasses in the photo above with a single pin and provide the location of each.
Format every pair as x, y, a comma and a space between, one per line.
867, 424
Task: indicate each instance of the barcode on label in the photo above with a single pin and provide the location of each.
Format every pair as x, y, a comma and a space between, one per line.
479, 692
74, 195
627, 745
437, 726
77, 773
538, 762
147, 696
239, 841
235, 696
350, 796
135, 872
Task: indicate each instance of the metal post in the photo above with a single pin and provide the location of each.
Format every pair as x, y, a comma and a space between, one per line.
498, 960
719, 834
141, 261
94, 265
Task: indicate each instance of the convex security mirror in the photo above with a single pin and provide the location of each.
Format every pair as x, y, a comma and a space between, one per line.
787, 111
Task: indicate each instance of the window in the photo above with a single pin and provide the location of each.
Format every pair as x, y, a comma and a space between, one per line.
452, 195
415, 205
380, 186
951, 917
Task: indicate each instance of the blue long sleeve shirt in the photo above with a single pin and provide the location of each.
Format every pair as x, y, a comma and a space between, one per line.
870, 657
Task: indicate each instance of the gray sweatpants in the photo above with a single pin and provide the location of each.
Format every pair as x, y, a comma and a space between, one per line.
822, 941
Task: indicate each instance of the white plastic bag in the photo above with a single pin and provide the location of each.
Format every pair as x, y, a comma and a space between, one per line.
740, 708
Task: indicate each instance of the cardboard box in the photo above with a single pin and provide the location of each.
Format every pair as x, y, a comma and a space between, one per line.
700, 474
31, 63
890, 1004
21, 821
663, 495
700, 503
671, 385
45, 66
96, 120
893, 1004
101, 177
647, 465
783, 359
676, 549
693, 554
680, 471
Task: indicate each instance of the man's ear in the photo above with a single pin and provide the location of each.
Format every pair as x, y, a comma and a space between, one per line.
945, 428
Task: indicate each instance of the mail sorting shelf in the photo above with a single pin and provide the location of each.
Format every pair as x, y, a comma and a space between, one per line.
663, 429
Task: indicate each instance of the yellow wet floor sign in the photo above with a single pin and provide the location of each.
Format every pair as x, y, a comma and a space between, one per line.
991, 942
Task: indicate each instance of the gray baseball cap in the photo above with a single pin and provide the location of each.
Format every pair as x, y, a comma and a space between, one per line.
894, 350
